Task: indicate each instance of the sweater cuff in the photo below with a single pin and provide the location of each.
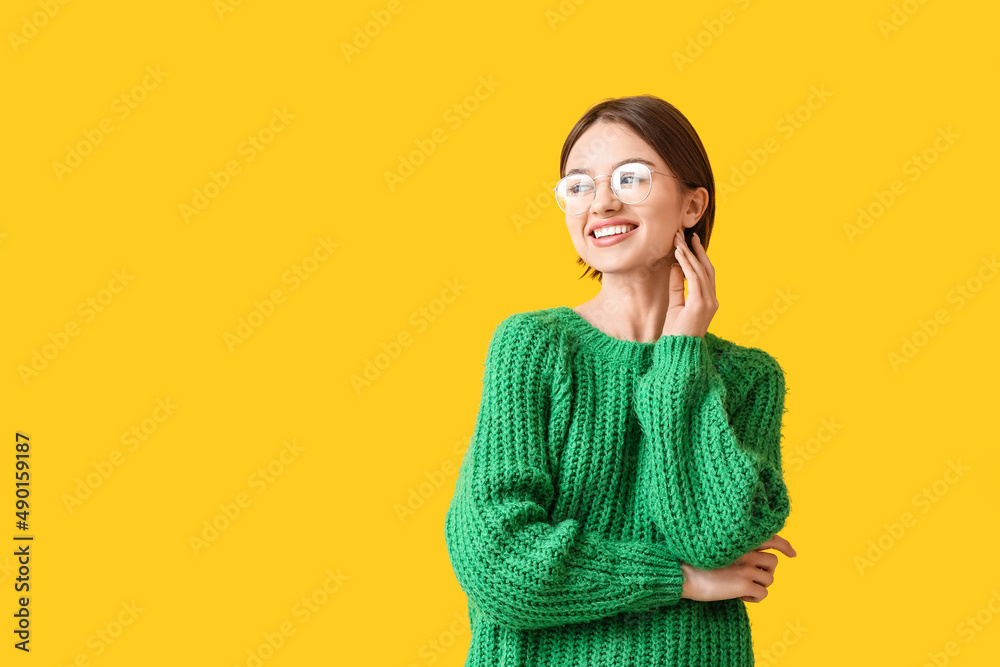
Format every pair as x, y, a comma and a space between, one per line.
665, 583
649, 567
678, 355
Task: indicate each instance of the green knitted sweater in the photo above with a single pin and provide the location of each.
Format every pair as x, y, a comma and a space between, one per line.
596, 466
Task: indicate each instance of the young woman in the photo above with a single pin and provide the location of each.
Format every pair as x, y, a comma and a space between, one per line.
624, 478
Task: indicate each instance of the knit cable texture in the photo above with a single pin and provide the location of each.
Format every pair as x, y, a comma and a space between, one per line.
596, 467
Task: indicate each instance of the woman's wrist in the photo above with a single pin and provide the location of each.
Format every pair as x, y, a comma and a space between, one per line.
687, 589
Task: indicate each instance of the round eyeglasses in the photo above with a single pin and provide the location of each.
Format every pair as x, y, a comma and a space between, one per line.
630, 182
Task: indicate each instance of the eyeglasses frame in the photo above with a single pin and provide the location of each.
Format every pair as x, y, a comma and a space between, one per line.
594, 179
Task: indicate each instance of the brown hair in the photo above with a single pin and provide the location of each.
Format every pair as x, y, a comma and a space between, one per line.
673, 138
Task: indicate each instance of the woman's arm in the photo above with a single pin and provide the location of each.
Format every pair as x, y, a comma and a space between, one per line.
712, 481
519, 569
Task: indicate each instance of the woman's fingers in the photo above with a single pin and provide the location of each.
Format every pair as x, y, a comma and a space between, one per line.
702, 255
690, 314
765, 560
752, 591
692, 268
779, 543
676, 302
755, 597
784, 546
700, 272
760, 576
748, 579
676, 291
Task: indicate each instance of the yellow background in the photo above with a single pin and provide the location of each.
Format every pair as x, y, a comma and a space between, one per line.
434, 263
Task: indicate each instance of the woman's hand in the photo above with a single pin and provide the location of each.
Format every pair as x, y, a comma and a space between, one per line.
690, 318
747, 578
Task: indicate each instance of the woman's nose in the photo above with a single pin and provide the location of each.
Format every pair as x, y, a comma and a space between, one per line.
604, 196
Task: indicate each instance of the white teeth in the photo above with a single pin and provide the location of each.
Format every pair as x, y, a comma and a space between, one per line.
612, 229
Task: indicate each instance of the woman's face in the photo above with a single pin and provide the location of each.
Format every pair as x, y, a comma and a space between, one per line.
601, 148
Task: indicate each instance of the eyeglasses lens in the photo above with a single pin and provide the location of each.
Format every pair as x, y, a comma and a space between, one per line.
630, 183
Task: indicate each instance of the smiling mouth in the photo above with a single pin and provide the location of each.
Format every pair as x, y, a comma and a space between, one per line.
627, 228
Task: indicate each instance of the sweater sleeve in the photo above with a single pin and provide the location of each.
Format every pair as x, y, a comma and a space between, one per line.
712, 481
518, 567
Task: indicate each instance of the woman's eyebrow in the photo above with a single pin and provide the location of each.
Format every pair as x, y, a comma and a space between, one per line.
625, 161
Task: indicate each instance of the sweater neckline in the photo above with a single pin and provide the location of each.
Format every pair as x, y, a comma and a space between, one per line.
606, 345
629, 352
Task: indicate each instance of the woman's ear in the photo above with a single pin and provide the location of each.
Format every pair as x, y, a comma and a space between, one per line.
697, 205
